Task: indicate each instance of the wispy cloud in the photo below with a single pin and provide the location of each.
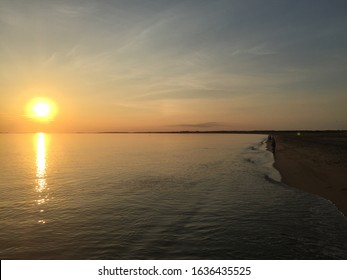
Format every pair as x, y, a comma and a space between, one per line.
200, 125
259, 49
71, 10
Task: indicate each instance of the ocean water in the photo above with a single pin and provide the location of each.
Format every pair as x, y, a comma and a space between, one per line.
156, 196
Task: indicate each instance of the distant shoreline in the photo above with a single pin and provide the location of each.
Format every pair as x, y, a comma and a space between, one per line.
316, 163
266, 132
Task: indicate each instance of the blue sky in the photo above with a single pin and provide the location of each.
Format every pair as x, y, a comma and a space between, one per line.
159, 65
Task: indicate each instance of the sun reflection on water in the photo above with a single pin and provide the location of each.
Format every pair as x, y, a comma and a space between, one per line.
41, 166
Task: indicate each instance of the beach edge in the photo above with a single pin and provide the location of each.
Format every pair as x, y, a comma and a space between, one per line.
308, 165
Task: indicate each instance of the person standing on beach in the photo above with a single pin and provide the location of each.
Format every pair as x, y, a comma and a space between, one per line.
273, 144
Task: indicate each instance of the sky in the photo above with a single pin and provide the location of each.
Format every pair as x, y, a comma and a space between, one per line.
123, 65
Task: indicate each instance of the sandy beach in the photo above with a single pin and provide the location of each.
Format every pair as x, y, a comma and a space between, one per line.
315, 162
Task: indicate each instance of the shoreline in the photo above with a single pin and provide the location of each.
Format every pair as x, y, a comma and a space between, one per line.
315, 163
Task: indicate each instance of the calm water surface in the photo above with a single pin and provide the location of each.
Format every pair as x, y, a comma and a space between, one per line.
156, 196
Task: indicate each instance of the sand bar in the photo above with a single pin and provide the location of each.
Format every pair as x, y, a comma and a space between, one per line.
315, 162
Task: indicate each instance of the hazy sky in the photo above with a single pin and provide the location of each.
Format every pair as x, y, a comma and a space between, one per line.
125, 65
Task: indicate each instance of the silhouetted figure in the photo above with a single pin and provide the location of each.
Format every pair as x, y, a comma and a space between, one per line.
273, 145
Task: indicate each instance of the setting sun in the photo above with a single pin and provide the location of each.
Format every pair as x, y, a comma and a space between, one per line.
41, 109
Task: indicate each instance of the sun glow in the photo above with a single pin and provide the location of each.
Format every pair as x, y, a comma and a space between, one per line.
42, 109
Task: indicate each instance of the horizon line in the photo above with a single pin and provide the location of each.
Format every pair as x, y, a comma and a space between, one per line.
251, 131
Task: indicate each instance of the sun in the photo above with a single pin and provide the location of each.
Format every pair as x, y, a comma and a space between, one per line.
41, 109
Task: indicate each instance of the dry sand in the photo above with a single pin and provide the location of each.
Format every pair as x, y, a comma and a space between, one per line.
316, 163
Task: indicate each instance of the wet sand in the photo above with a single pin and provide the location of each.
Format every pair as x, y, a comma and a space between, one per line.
316, 163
